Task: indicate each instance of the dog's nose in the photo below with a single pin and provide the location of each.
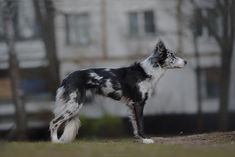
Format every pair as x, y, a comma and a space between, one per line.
185, 62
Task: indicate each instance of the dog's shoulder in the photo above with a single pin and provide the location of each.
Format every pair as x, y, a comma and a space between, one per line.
133, 73
130, 77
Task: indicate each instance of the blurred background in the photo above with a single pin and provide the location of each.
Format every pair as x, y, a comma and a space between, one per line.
42, 41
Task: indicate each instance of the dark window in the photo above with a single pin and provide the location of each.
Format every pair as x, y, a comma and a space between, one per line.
1, 28
149, 22
25, 25
77, 29
210, 82
133, 24
35, 82
25, 21
141, 23
35, 86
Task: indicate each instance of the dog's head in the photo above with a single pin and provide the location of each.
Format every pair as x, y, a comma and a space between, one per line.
166, 58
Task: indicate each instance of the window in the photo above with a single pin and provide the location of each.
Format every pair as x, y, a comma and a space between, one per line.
35, 86
25, 25
133, 23
77, 29
35, 83
141, 23
1, 28
210, 83
149, 26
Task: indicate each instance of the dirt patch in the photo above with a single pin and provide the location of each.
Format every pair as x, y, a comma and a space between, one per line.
199, 139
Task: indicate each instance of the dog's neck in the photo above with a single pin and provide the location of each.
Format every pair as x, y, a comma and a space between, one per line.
155, 72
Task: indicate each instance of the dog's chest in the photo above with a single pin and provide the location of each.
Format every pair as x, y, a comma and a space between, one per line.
146, 87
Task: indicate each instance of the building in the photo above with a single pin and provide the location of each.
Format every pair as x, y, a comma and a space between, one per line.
111, 33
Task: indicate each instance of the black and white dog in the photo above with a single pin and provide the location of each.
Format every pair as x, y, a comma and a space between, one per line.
132, 85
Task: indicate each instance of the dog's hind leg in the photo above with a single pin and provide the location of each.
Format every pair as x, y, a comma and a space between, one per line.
70, 130
71, 120
68, 116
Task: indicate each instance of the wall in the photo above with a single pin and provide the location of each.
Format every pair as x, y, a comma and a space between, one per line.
176, 92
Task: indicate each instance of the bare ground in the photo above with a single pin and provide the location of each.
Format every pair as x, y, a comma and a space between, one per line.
199, 139
203, 145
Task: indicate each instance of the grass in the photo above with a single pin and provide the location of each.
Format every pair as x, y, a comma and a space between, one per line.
113, 148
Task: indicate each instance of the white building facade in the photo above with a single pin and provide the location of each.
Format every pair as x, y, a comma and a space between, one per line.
111, 33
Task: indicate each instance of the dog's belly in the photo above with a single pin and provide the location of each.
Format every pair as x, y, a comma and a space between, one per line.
116, 95
111, 90
106, 87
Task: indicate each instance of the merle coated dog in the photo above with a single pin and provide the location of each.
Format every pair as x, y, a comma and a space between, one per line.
132, 85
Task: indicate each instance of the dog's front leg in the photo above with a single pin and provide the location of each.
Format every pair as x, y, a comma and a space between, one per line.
138, 122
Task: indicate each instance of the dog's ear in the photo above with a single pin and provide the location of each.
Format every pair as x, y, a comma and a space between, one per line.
160, 46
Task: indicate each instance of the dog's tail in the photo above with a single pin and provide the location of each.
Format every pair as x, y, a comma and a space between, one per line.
71, 122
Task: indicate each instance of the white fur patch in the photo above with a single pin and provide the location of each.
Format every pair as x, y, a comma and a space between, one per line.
119, 92
70, 130
95, 76
72, 105
145, 87
156, 73
59, 104
54, 137
147, 141
108, 87
179, 63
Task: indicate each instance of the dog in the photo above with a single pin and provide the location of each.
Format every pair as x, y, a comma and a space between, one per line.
132, 85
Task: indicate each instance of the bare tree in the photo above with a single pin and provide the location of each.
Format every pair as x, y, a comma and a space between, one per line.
45, 13
9, 8
223, 33
195, 27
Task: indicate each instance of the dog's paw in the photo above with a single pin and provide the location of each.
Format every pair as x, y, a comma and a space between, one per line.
147, 141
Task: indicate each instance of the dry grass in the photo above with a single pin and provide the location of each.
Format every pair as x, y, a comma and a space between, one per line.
216, 145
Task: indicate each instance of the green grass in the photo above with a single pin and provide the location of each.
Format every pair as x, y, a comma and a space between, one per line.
112, 148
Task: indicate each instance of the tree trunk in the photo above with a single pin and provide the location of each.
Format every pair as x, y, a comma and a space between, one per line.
225, 10
179, 26
198, 84
20, 115
44, 11
224, 89
226, 46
